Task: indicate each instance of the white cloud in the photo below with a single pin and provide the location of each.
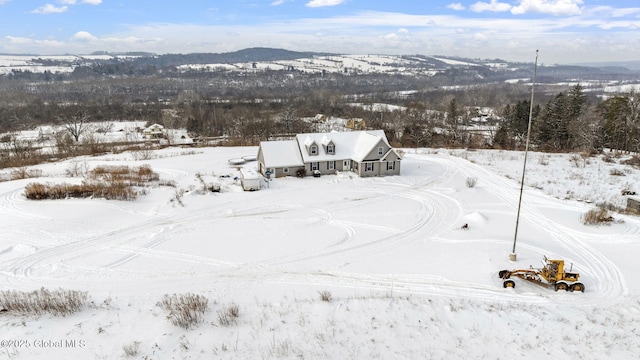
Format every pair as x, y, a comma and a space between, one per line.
277, 2
392, 36
74, 2
50, 9
456, 6
489, 37
321, 3
610, 12
84, 36
493, 6
16, 40
553, 7
480, 37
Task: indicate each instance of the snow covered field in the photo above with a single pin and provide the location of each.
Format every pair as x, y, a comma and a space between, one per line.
405, 280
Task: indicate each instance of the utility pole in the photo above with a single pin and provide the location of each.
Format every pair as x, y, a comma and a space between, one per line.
513, 256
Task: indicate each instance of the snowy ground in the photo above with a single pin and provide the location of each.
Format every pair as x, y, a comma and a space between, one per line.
406, 281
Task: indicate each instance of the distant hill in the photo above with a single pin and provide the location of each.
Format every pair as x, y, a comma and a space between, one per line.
628, 65
448, 70
240, 56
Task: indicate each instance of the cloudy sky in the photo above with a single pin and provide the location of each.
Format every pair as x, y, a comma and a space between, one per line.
564, 31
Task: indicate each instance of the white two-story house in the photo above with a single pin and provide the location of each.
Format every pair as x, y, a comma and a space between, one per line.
366, 153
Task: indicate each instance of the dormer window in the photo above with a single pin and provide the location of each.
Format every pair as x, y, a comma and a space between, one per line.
327, 145
313, 150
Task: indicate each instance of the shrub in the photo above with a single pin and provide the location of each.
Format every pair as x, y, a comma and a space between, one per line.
577, 160
24, 173
228, 315
145, 153
325, 295
77, 168
111, 191
131, 349
177, 197
608, 159
108, 182
56, 302
472, 181
633, 161
543, 160
185, 310
616, 172
597, 216
132, 176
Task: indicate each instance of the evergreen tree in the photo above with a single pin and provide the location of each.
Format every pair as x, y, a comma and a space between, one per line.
513, 131
621, 118
553, 129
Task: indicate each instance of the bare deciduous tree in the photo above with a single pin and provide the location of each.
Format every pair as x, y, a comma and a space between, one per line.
75, 125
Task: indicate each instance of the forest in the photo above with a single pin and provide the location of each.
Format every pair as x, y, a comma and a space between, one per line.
244, 108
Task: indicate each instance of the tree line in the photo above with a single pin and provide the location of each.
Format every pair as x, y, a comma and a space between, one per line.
249, 109
570, 122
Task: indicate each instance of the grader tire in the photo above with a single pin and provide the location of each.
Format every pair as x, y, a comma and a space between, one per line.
561, 286
509, 284
577, 287
503, 274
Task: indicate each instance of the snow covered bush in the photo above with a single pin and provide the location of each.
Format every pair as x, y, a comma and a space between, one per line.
633, 161
597, 216
108, 182
325, 295
132, 349
185, 310
228, 315
56, 302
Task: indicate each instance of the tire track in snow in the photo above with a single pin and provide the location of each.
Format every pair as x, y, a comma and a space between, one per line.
599, 265
116, 240
25, 266
10, 205
607, 278
435, 210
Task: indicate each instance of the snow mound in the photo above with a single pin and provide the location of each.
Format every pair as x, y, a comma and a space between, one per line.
476, 218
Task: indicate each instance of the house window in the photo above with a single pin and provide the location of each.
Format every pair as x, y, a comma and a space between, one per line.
391, 165
315, 166
330, 149
368, 166
331, 165
313, 150
380, 150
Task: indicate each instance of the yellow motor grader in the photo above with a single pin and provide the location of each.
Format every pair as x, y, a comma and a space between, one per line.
552, 274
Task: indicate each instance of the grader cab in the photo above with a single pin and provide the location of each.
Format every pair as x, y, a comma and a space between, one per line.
552, 274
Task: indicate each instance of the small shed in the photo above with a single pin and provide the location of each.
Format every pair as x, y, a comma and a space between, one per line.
250, 180
633, 204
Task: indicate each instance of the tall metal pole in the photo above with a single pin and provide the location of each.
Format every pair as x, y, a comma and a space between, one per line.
513, 255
